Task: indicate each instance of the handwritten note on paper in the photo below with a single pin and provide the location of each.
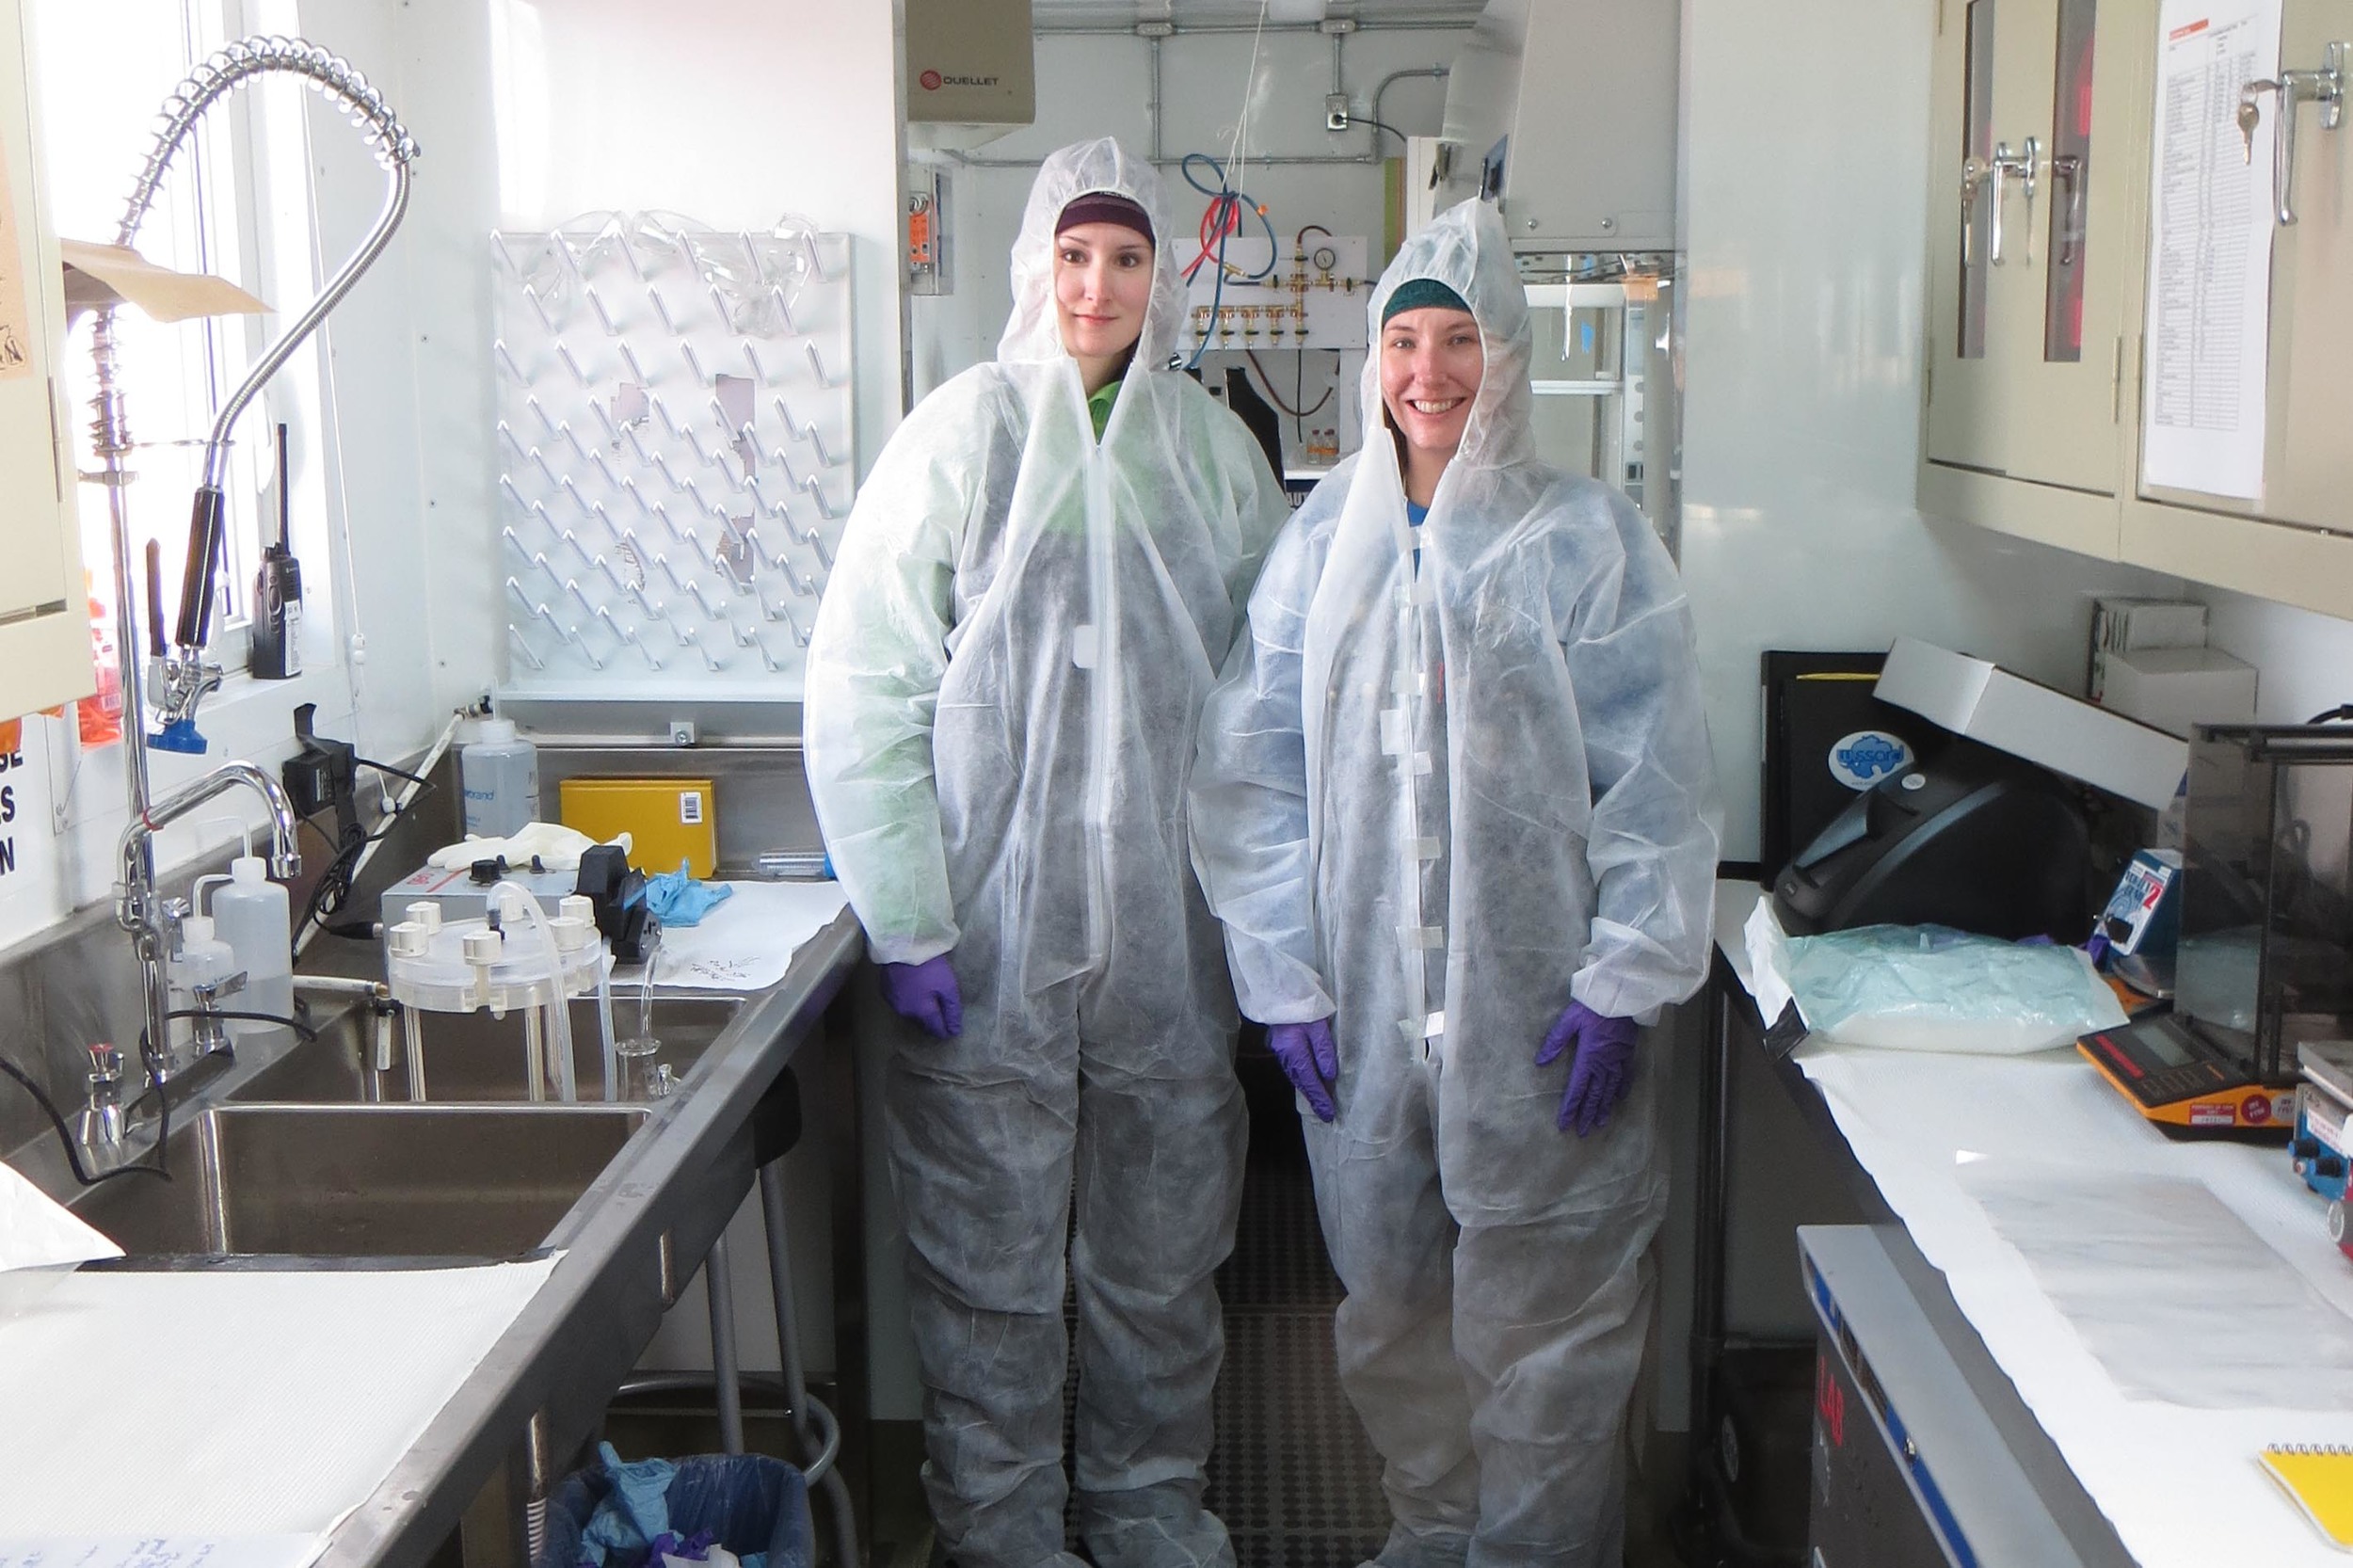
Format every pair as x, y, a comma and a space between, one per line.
746, 944
134, 1551
2209, 315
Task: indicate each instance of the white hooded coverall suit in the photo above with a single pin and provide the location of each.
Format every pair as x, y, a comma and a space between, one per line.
1455, 776
1002, 690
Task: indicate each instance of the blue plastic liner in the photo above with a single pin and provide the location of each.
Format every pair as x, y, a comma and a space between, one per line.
754, 1506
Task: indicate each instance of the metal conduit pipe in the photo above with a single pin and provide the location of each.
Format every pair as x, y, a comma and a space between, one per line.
1211, 29
1153, 102
1438, 73
1154, 105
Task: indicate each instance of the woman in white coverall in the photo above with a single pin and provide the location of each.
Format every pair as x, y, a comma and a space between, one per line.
1035, 589
1454, 807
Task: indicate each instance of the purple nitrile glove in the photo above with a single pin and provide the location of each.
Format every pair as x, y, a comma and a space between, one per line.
1310, 1061
1597, 1075
925, 995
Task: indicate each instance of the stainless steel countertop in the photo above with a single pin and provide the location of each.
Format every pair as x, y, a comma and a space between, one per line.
655, 1213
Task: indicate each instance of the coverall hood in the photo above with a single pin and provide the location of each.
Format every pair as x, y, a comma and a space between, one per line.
1466, 248
1034, 333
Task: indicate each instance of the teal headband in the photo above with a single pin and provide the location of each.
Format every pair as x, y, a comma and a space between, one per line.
1422, 294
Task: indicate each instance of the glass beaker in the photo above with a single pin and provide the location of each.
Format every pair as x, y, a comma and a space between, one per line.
642, 1075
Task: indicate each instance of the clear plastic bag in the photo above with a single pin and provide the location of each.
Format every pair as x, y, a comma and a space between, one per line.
1926, 988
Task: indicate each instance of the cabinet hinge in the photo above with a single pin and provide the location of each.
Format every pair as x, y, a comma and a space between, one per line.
2116, 382
57, 447
1940, 17
1928, 382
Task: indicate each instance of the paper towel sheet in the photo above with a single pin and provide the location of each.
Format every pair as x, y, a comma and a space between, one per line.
232, 1404
2183, 1486
41, 1242
746, 943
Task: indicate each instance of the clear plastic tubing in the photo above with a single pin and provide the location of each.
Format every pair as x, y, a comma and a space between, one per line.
560, 1007
605, 1023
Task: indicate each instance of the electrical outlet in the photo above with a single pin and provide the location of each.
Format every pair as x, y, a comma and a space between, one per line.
1335, 111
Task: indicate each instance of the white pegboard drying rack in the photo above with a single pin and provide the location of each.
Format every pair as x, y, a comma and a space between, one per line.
675, 443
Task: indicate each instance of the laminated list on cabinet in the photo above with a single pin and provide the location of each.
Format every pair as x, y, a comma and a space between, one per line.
2209, 317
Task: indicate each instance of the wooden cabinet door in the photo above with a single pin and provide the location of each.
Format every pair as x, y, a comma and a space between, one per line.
1990, 92
2308, 434
44, 622
2026, 335
2067, 390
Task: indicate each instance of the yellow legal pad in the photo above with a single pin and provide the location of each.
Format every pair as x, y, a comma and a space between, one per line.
2320, 1478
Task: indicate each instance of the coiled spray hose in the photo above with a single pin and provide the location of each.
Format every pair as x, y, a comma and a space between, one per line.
227, 70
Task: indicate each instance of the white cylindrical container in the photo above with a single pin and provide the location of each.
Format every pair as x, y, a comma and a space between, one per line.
500, 773
251, 915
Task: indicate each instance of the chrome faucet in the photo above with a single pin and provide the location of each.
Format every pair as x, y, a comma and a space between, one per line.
184, 677
102, 1123
152, 921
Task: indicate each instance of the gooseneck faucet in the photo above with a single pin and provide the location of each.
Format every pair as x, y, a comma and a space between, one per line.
185, 677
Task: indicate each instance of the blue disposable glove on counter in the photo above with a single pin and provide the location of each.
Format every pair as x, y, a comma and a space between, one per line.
1598, 1072
925, 994
1310, 1061
676, 899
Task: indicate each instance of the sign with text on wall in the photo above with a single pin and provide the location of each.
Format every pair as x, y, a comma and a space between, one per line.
32, 885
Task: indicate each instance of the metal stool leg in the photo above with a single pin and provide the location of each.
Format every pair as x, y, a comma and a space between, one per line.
719, 1283
826, 1464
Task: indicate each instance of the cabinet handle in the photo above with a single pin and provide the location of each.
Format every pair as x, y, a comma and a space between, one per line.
2325, 86
2067, 169
2006, 165
1973, 175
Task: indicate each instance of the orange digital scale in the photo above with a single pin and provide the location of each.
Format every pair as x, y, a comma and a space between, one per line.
2187, 1085
2262, 964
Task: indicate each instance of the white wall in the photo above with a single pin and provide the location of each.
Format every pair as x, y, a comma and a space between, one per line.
1805, 224
2306, 659
1097, 85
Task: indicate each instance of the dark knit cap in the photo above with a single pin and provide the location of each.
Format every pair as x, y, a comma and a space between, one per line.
1422, 294
1104, 206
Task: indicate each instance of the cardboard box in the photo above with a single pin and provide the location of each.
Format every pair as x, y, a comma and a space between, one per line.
2121, 625
2177, 688
1978, 698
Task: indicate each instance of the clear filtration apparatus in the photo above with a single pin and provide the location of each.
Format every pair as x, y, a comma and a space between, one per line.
515, 958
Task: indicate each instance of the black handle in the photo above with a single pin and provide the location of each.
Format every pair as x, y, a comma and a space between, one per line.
205, 527
155, 598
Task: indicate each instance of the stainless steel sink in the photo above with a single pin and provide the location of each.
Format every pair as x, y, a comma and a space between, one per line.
473, 1057
366, 1181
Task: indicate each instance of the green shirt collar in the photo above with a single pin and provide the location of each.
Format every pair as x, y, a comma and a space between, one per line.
1099, 404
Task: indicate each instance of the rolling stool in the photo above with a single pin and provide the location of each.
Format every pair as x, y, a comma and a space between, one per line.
776, 1126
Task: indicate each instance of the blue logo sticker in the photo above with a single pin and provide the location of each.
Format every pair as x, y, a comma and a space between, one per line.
1863, 759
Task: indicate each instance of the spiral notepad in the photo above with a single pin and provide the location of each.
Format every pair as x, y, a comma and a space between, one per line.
2320, 1477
